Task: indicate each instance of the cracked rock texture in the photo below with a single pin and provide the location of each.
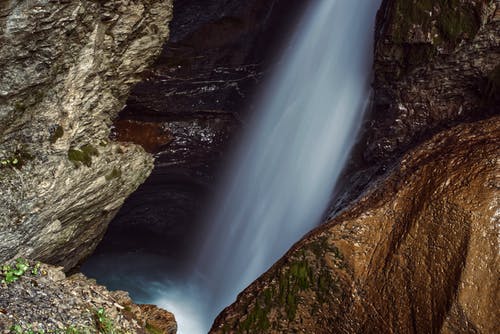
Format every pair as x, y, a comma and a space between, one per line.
66, 68
48, 301
417, 253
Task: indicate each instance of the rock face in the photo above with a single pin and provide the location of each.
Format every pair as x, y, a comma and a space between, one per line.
418, 253
436, 65
44, 299
66, 68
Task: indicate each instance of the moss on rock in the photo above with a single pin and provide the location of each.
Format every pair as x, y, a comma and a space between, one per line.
422, 28
83, 155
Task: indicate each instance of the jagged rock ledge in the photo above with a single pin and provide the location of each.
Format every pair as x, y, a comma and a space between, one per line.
42, 299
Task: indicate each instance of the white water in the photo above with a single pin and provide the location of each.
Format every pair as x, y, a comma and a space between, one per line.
289, 160
285, 170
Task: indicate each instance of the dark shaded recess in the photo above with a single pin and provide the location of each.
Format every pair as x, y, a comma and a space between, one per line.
197, 92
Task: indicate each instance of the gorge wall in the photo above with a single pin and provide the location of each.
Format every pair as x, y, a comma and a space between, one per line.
191, 105
66, 68
418, 253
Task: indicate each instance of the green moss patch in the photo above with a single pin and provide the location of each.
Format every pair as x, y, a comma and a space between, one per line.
83, 155
446, 21
286, 292
152, 329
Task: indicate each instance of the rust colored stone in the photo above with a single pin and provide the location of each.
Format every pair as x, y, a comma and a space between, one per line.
158, 320
150, 135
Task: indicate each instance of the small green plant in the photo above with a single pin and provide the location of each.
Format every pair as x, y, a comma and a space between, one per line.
16, 159
12, 273
9, 162
36, 269
17, 329
104, 323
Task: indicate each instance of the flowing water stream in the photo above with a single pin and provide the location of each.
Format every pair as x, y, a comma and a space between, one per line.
282, 176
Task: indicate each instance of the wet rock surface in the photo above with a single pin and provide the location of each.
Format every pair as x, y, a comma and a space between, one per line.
65, 71
417, 253
436, 65
45, 300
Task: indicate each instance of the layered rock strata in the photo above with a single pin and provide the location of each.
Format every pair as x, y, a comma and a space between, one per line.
66, 68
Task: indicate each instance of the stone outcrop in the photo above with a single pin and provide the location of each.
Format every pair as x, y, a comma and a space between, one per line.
417, 253
43, 299
436, 65
66, 68
412, 243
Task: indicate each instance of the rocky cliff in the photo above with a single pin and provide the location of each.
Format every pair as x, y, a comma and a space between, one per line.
66, 68
417, 250
436, 64
187, 110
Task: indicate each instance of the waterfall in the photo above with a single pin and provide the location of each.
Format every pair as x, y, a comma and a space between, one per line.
281, 178
293, 151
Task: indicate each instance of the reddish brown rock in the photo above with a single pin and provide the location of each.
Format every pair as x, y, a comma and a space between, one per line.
150, 135
157, 320
417, 253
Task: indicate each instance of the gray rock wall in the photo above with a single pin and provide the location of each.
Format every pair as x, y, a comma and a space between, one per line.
66, 68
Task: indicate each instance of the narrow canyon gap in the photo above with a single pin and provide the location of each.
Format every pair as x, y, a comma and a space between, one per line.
281, 177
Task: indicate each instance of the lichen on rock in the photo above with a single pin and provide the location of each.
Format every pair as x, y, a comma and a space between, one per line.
66, 68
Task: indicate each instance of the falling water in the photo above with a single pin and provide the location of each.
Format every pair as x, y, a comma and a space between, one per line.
285, 170
283, 174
